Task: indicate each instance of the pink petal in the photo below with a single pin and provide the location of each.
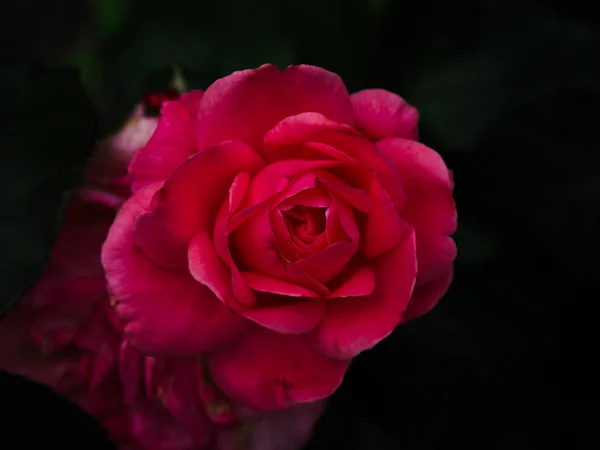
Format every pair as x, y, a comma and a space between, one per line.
164, 312
352, 325
188, 202
430, 207
178, 392
282, 237
256, 243
20, 354
313, 127
218, 407
333, 229
264, 283
382, 114
112, 155
62, 305
383, 226
328, 263
236, 288
359, 282
130, 372
172, 143
245, 105
282, 179
238, 190
268, 371
291, 316
358, 198
426, 296
207, 268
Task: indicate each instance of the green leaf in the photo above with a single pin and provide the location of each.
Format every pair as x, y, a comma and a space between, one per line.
47, 133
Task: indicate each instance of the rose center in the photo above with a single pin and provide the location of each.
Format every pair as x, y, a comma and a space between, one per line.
305, 223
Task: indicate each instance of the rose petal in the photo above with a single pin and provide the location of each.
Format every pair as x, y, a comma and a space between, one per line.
207, 268
257, 246
283, 179
237, 286
238, 190
383, 226
426, 296
164, 312
172, 143
430, 207
325, 265
283, 141
359, 282
179, 393
352, 325
188, 202
382, 114
267, 95
264, 283
130, 372
269, 371
358, 198
333, 228
218, 408
290, 314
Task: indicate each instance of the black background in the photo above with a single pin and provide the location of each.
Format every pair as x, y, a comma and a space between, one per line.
507, 92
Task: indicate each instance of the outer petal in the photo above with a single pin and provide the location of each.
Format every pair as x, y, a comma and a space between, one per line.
430, 207
426, 296
382, 114
352, 325
266, 370
189, 200
245, 105
172, 143
164, 312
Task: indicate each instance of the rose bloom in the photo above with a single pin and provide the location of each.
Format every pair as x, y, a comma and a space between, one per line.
65, 334
280, 226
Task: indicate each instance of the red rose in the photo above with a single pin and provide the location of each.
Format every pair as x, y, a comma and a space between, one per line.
283, 226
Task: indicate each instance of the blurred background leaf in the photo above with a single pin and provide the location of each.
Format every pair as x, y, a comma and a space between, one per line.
47, 132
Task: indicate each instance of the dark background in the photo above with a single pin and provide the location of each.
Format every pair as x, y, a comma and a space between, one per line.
508, 93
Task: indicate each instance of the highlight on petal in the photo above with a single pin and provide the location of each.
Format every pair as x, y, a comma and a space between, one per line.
164, 312
172, 143
352, 325
382, 114
266, 96
269, 371
238, 288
